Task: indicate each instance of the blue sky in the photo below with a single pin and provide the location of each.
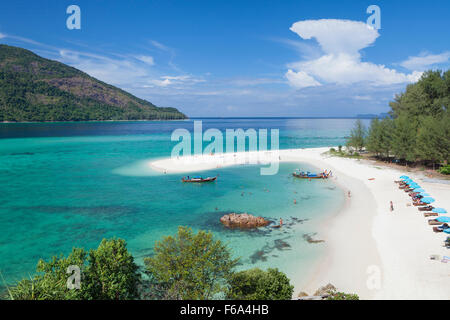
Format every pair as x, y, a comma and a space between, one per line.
242, 58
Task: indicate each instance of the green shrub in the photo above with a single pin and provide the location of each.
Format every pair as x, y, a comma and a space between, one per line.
343, 296
256, 284
189, 266
108, 272
445, 169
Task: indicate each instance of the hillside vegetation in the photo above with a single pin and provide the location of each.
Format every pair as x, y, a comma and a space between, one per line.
36, 89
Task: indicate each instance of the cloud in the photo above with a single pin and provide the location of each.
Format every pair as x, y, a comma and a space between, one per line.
341, 42
365, 98
337, 36
254, 81
425, 60
301, 79
2, 35
146, 59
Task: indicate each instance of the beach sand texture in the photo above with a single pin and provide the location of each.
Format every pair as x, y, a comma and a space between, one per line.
371, 251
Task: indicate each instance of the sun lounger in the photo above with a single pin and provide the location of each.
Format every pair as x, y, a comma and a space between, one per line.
445, 226
430, 214
434, 222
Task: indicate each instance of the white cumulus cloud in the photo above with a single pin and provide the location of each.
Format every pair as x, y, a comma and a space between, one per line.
341, 42
301, 79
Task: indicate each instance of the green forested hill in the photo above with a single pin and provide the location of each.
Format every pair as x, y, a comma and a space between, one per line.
36, 89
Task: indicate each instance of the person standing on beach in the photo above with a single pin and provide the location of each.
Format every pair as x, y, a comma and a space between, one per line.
392, 206
349, 194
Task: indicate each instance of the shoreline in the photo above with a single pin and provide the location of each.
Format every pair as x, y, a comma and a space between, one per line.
369, 250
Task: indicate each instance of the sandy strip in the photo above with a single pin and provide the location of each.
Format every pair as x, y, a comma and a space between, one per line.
371, 251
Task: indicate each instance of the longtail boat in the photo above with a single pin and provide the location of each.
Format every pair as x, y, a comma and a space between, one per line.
199, 179
307, 175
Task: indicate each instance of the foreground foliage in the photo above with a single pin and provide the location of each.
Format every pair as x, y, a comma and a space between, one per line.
107, 273
256, 284
189, 266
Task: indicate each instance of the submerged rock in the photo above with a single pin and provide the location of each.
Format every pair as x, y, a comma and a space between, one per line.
243, 221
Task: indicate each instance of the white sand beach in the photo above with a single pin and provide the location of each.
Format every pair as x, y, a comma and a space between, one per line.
371, 251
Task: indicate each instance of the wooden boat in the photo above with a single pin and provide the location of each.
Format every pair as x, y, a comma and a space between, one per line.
209, 179
302, 175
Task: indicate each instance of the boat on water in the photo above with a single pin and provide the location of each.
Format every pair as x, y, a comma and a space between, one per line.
309, 175
198, 179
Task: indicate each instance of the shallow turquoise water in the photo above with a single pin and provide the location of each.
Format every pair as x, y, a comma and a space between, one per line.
66, 185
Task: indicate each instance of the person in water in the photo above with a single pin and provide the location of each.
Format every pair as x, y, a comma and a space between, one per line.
281, 222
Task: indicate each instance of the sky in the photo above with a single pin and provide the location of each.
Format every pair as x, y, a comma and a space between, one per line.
217, 58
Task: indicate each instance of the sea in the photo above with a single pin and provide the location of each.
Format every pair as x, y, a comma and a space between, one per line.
65, 185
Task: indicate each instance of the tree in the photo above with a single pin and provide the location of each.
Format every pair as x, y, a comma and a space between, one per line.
189, 266
431, 144
51, 282
107, 272
111, 273
256, 284
357, 136
373, 141
404, 139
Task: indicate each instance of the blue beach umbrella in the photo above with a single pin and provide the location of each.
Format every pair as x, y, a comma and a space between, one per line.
427, 200
414, 185
404, 177
447, 230
443, 219
419, 190
424, 194
439, 210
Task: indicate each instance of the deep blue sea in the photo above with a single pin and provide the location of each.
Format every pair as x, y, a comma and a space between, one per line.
73, 184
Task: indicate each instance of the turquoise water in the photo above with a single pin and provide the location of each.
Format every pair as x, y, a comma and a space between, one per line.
72, 184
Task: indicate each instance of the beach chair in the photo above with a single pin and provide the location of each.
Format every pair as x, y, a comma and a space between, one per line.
430, 214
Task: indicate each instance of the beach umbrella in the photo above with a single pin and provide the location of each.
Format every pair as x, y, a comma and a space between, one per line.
427, 200
447, 230
414, 185
443, 219
418, 190
439, 210
424, 194
404, 177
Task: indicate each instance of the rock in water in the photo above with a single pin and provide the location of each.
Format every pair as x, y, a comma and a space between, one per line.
243, 221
